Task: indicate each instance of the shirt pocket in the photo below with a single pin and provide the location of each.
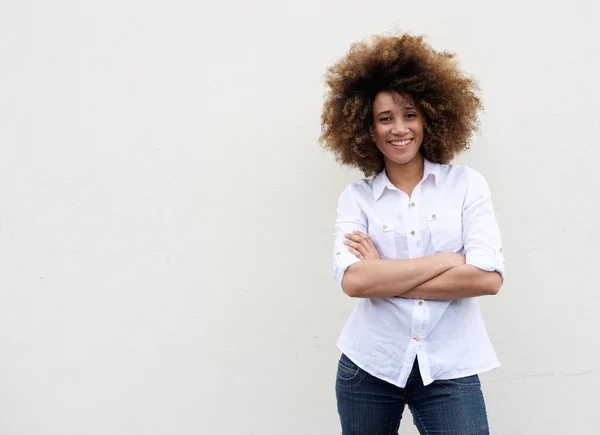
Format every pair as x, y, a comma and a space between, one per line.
383, 237
445, 227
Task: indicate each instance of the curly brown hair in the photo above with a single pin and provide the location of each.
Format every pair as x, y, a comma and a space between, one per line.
405, 64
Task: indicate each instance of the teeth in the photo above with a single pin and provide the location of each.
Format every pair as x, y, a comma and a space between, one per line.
401, 143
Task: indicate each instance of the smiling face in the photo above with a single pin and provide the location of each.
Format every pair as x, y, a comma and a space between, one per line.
398, 128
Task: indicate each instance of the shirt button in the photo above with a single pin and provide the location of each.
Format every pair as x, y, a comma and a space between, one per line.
500, 249
417, 338
412, 204
433, 216
412, 233
385, 227
420, 302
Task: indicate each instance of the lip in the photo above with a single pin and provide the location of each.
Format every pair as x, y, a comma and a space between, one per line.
410, 141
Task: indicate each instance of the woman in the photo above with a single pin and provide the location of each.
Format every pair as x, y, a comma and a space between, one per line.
416, 244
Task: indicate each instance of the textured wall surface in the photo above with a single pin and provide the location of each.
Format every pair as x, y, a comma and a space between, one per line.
166, 214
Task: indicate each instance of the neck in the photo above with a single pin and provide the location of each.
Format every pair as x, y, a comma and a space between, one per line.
406, 176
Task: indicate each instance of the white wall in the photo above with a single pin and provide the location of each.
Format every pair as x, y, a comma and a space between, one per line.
166, 212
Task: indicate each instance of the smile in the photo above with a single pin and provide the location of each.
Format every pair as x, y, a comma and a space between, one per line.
400, 143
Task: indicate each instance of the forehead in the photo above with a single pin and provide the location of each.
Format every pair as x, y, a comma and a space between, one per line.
389, 100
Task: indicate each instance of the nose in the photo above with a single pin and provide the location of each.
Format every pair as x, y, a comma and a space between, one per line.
399, 127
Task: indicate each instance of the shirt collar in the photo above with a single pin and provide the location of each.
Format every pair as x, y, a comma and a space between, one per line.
432, 169
381, 180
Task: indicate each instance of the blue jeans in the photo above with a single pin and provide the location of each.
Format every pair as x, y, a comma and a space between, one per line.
369, 406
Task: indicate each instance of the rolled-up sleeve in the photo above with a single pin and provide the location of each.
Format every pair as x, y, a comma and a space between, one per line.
350, 217
481, 234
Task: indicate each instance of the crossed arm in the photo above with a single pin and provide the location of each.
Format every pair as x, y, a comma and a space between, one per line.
441, 276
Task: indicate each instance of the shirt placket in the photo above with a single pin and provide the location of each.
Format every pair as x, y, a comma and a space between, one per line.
420, 318
415, 243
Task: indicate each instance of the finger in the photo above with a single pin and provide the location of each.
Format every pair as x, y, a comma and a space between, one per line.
357, 246
363, 236
355, 238
367, 242
371, 243
359, 237
366, 238
356, 253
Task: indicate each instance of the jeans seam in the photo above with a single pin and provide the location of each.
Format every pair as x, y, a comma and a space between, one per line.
346, 369
340, 379
477, 392
354, 375
418, 417
466, 384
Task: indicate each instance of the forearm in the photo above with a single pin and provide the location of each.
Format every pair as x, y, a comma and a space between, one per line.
464, 281
389, 278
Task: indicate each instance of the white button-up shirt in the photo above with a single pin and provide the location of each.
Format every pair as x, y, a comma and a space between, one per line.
450, 210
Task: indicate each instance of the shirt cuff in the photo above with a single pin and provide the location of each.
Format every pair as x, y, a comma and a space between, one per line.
343, 260
488, 261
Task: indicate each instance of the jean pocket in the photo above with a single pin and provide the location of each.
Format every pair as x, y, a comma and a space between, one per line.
348, 373
466, 384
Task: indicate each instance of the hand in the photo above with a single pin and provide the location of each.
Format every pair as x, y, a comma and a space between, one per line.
361, 245
453, 258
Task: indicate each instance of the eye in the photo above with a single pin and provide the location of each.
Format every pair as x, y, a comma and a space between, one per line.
385, 119
411, 115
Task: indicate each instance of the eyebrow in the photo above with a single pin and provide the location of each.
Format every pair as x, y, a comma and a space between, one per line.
408, 107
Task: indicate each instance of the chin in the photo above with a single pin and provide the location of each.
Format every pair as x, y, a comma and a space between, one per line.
402, 160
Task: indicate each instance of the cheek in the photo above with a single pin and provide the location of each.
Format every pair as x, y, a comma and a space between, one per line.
380, 134
421, 128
